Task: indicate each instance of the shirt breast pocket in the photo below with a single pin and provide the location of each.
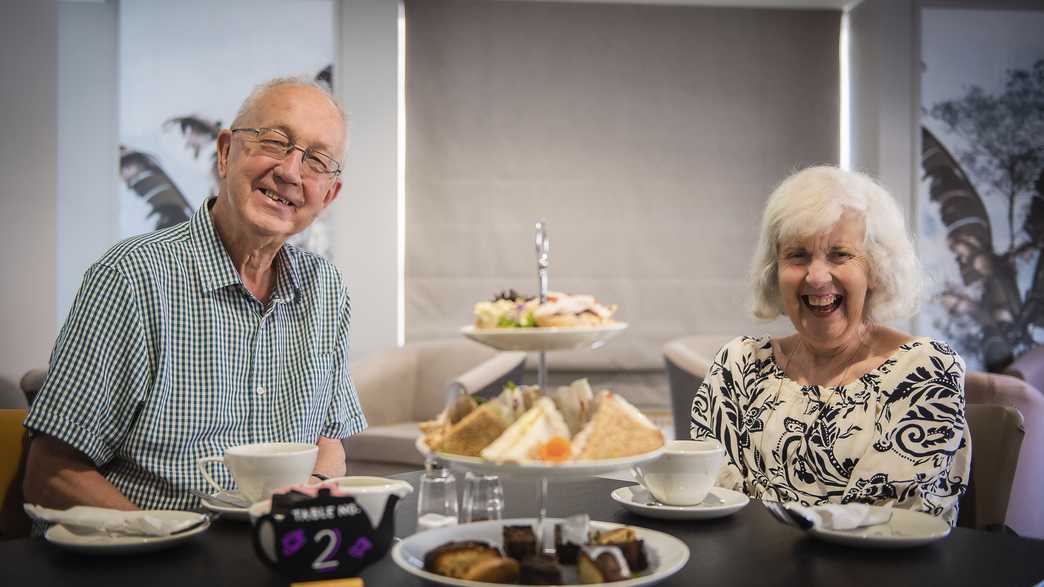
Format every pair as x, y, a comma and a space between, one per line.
308, 386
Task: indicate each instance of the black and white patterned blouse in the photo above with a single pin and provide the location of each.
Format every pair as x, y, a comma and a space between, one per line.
896, 436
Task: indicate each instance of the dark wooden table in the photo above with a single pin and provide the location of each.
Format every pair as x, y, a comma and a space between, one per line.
748, 548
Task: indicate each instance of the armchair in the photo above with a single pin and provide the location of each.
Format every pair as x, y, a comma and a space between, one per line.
1025, 514
400, 387
687, 361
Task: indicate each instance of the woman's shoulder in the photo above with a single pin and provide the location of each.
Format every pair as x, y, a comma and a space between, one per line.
900, 344
744, 349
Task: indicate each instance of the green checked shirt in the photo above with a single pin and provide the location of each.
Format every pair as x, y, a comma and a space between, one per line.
166, 357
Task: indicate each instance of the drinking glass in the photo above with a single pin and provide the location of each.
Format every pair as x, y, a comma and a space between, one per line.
437, 498
483, 498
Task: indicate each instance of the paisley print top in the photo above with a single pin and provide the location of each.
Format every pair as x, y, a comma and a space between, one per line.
896, 436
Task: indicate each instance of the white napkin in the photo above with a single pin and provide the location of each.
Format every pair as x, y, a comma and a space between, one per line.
86, 519
835, 516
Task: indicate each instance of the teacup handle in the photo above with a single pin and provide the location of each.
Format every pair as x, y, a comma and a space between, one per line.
639, 476
201, 465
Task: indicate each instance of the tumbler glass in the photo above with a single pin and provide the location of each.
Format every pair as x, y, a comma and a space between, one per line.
483, 498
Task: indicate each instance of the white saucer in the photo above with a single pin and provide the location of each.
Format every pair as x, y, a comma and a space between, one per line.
720, 502
906, 528
228, 512
100, 543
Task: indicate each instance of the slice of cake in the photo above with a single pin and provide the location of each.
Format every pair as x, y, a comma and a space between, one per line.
632, 548
601, 564
617, 429
475, 431
570, 535
519, 541
523, 440
472, 560
540, 570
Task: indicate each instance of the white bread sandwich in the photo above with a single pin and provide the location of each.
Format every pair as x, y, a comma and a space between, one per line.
524, 439
576, 402
616, 429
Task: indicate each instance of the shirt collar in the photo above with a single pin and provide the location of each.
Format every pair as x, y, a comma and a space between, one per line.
216, 269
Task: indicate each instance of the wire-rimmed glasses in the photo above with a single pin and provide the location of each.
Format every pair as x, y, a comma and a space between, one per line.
277, 145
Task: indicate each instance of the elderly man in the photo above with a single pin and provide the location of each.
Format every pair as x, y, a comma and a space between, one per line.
209, 334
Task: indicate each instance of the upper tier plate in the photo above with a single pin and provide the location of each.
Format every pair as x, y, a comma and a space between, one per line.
537, 470
544, 339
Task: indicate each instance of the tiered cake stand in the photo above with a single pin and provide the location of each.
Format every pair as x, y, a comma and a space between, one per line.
542, 340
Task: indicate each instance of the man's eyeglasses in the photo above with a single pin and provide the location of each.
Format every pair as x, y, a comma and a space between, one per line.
276, 144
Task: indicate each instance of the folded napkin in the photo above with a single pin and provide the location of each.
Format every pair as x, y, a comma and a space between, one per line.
86, 519
833, 516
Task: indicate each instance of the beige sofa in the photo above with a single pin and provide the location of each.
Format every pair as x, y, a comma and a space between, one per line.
400, 387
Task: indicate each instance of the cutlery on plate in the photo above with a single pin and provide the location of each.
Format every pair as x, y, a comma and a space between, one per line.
787, 516
205, 519
221, 499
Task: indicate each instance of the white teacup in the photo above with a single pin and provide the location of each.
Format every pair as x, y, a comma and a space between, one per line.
684, 473
259, 469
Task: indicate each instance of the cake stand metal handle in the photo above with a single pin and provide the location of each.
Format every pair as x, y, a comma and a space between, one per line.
543, 255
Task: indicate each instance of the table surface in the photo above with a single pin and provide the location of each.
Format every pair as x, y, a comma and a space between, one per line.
748, 548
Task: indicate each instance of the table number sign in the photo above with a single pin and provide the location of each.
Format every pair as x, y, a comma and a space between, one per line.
322, 537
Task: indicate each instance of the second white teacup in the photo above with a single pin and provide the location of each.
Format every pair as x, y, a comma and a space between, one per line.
684, 473
259, 469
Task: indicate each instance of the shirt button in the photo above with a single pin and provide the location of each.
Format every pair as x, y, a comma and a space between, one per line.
260, 390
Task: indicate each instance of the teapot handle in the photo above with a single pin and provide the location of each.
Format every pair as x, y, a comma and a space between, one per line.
259, 525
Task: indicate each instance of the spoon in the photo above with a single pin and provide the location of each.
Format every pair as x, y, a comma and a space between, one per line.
221, 499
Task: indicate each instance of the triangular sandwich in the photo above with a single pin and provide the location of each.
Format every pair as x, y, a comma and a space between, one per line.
616, 429
523, 440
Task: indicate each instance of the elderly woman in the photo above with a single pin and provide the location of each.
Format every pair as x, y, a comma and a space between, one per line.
845, 409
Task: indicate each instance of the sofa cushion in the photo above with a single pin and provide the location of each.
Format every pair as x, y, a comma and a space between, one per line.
390, 443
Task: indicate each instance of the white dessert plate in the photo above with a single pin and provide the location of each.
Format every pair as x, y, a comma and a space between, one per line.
571, 470
239, 514
667, 555
906, 528
101, 543
544, 339
720, 502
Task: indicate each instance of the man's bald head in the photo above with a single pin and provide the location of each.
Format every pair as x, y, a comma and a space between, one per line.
249, 105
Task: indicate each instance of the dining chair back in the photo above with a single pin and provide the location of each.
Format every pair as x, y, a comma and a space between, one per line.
13, 442
996, 436
1025, 514
687, 361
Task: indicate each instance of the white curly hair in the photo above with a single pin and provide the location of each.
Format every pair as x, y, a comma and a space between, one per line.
810, 202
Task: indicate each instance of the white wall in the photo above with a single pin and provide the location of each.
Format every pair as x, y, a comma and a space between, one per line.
363, 219
28, 159
88, 182
883, 74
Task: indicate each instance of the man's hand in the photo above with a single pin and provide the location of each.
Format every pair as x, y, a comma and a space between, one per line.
330, 462
58, 476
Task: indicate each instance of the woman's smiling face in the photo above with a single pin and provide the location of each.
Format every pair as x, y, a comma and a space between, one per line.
824, 280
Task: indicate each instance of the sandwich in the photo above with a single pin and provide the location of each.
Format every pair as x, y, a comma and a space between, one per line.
563, 310
616, 429
529, 436
475, 431
575, 401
